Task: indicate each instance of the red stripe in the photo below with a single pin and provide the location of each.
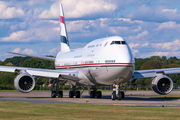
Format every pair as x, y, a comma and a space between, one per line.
96, 64
61, 19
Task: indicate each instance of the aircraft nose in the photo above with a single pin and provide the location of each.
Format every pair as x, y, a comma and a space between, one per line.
127, 56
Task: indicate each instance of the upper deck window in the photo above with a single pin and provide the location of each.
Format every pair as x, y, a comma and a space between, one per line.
105, 44
118, 42
91, 46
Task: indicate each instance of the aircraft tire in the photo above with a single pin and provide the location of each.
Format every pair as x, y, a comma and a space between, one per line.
113, 96
119, 95
92, 94
60, 94
122, 94
53, 94
71, 94
78, 94
99, 94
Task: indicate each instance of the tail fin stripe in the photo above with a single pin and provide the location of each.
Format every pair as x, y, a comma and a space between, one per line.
64, 40
62, 19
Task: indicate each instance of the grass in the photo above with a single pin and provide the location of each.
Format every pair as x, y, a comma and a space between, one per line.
31, 111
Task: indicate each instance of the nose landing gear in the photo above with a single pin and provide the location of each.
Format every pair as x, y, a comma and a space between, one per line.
117, 94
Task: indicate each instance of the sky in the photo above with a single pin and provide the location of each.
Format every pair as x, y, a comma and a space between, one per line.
150, 27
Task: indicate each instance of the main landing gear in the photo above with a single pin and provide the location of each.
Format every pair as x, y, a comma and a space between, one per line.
57, 92
75, 93
117, 94
94, 93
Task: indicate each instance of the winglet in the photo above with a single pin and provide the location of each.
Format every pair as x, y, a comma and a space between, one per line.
63, 32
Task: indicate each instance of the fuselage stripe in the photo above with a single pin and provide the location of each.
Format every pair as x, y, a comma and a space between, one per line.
95, 64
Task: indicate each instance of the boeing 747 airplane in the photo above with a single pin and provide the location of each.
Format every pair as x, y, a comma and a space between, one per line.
102, 62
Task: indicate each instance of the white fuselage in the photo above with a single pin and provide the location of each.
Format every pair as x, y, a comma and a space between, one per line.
102, 61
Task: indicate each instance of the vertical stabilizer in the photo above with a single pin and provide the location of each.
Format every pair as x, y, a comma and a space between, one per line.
63, 32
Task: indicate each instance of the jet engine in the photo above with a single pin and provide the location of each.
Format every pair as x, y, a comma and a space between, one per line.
24, 82
162, 84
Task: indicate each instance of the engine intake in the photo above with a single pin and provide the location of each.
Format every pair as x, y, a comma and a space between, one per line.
24, 82
162, 84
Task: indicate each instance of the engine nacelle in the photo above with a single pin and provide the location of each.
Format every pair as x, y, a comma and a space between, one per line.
162, 84
24, 82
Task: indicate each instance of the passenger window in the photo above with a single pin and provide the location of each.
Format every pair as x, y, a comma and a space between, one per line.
105, 44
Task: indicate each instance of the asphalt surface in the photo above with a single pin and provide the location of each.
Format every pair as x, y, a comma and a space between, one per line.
132, 98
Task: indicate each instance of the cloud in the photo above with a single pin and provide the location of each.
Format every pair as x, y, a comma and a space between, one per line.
138, 29
15, 36
43, 33
145, 55
28, 51
17, 50
80, 8
170, 46
157, 13
131, 45
10, 12
140, 35
36, 2
168, 25
25, 51
54, 50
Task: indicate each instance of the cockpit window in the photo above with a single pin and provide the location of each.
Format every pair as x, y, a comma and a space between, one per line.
118, 42
123, 42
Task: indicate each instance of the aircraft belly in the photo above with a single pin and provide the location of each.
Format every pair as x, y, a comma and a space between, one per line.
106, 75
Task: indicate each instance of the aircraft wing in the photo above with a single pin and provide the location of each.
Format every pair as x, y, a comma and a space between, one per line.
154, 72
45, 58
47, 73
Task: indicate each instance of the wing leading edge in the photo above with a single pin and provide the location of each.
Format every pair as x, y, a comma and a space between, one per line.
154, 72
47, 73
44, 58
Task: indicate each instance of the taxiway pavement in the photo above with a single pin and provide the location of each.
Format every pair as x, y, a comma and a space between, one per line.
132, 98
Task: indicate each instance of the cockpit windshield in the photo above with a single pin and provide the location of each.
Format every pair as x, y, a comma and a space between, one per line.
118, 43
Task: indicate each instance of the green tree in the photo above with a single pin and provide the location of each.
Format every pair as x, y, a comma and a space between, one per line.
1, 63
178, 82
9, 64
7, 78
33, 63
173, 65
16, 60
152, 64
155, 58
172, 60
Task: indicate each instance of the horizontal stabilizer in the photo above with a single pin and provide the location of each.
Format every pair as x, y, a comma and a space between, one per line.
33, 56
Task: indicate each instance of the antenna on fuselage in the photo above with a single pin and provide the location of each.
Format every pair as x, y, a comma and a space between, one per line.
63, 32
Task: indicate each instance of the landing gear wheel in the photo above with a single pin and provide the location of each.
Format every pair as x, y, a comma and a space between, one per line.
78, 94
99, 94
113, 96
60, 94
53, 94
92, 94
119, 95
122, 94
71, 94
